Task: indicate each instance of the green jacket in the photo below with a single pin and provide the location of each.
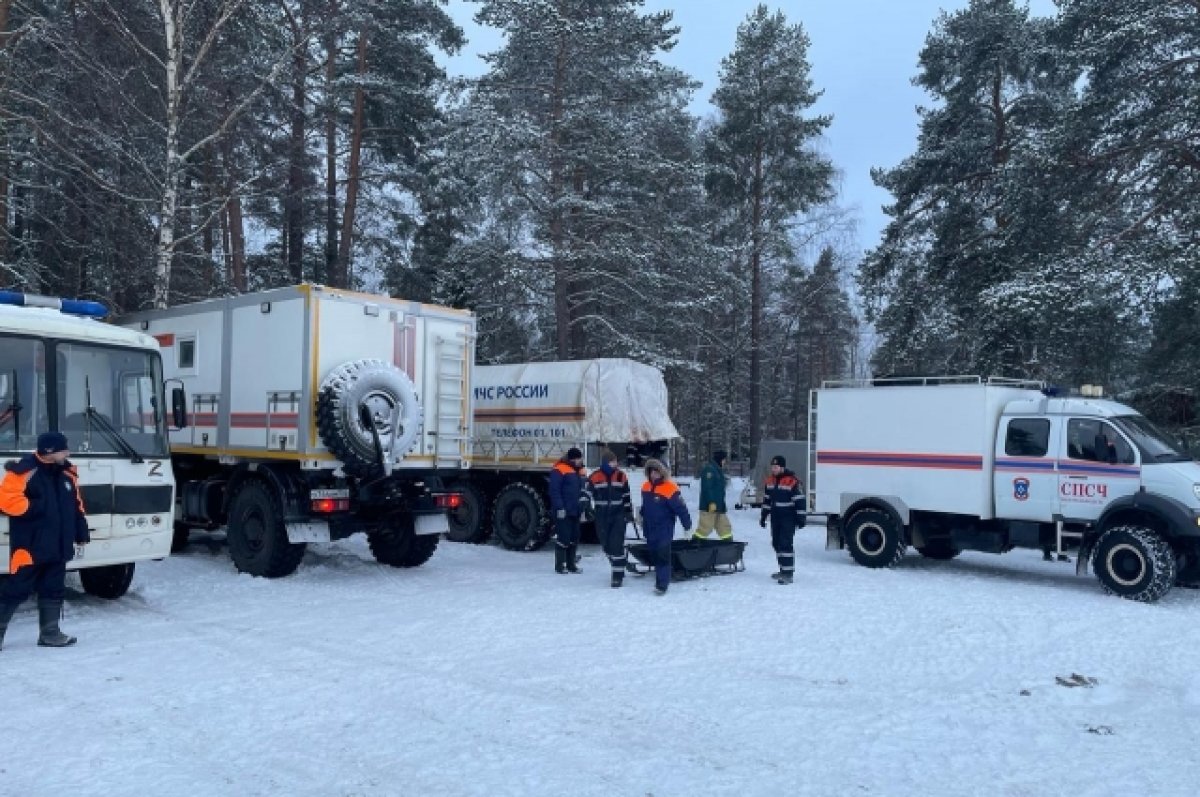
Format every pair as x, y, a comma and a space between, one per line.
712, 487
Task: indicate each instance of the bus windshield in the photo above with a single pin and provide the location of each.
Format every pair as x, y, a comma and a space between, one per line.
124, 388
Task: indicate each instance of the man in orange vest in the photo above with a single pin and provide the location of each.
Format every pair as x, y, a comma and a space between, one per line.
662, 505
783, 505
566, 505
40, 495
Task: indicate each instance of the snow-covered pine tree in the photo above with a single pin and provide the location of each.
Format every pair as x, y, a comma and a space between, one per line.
978, 228
764, 168
581, 153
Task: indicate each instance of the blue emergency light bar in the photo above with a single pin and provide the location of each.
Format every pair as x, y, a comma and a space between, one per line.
69, 306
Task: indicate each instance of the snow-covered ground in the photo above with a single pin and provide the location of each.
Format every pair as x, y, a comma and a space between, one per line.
485, 673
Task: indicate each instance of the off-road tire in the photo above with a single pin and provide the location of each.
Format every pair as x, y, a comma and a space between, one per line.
874, 538
520, 518
940, 549
399, 546
381, 387
472, 521
109, 582
258, 541
1135, 563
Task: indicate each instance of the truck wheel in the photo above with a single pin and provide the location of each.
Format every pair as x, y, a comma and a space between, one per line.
360, 390
874, 538
398, 546
471, 521
940, 549
1135, 563
520, 518
258, 542
109, 582
180, 536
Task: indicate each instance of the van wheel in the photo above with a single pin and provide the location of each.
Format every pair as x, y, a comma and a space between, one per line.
471, 522
109, 582
942, 550
874, 538
258, 541
520, 518
1135, 563
398, 546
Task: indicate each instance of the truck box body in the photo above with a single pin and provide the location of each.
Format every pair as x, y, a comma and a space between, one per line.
252, 366
930, 445
528, 414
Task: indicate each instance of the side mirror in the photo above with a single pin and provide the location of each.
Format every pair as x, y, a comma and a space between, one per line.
179, 415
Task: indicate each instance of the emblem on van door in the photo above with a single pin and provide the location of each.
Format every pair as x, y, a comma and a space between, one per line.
1021, 488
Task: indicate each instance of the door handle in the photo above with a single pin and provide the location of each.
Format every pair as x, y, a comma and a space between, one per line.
1078, 477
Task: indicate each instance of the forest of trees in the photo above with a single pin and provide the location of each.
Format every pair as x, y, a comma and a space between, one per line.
159, 152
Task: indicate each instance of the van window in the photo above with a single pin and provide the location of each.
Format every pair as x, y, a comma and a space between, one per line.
1027, 437
1093, 440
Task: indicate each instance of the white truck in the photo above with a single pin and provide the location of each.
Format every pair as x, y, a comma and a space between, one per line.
102, 386
987, 464
314, 414
526, 417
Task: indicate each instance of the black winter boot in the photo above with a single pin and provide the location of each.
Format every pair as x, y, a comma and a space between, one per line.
7, 610
560, 558
572, 564
51, 636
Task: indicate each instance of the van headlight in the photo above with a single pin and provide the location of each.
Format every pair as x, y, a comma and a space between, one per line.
1196, 491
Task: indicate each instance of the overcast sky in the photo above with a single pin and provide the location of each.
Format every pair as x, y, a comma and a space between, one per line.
863, 55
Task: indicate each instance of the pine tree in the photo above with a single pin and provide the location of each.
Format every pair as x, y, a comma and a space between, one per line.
765, 170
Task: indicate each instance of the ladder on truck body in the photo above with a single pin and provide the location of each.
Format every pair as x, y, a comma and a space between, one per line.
451, 408
810, 480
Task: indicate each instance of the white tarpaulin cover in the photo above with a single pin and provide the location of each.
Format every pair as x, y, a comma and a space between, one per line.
605, 400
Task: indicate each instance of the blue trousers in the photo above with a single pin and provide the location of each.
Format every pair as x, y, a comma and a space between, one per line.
48, 580
660, 553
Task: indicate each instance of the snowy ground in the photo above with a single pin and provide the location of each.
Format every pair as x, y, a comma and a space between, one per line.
485, 673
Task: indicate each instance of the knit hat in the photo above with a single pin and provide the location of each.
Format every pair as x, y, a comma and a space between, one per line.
574, 453
52, 443
719, 456
779, 460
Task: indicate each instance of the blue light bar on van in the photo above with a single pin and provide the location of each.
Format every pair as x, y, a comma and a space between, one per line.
70, 306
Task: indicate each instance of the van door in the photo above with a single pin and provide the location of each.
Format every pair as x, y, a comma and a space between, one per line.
1097, 465
1025, 481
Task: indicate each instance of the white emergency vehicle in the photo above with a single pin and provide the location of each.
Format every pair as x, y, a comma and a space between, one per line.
317, 413
988, 464
526, 416
62, 369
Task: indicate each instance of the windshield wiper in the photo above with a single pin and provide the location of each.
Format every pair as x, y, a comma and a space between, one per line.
114, 437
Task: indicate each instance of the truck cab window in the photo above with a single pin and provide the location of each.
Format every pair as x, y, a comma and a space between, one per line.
1027, 437
1094, 440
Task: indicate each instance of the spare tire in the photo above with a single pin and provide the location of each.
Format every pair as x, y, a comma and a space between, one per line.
364, 390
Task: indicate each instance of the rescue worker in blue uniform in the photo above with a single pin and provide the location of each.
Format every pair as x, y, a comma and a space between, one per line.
662, 505
783, 504
566, 505
608, 493
40, 495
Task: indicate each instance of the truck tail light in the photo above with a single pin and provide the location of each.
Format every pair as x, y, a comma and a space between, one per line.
323, 506
447, 500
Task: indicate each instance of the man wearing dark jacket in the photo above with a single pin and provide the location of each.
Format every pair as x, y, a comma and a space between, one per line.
713, 512
608, 492
566, 505
783, 503
40, 495
662, 505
